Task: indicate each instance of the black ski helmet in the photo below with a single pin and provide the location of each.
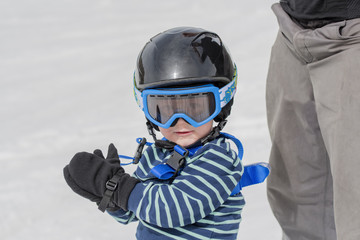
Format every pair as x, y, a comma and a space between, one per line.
185, 56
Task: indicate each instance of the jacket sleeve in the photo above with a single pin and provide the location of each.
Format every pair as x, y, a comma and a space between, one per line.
122, 216
203, 185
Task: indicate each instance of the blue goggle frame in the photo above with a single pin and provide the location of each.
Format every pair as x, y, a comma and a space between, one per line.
221, 96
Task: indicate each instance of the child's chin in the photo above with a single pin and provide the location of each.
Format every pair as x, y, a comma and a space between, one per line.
185, 142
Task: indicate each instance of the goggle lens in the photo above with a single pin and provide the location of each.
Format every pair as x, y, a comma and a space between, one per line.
197, 106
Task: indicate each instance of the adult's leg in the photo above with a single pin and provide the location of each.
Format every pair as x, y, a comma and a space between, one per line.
336, 81
300, 183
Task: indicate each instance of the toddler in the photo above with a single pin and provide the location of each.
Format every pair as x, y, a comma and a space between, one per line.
186, 185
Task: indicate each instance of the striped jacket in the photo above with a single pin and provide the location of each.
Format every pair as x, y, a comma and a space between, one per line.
196, 205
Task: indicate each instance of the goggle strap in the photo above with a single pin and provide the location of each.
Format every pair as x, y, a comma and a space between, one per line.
227, 92
138, 98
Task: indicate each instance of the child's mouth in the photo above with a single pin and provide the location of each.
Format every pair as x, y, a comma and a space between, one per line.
183, 133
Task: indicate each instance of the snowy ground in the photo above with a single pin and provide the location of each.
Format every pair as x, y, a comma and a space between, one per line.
65, 86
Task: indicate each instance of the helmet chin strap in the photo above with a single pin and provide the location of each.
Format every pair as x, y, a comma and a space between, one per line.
159, 143
150, 129
214, 133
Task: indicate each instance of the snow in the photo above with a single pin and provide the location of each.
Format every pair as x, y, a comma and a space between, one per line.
65, 86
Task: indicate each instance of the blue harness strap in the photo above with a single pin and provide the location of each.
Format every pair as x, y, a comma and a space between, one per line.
237, 143
163, 171
253, 173
173, 165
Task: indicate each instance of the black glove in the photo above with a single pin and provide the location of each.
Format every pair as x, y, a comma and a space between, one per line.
100, 180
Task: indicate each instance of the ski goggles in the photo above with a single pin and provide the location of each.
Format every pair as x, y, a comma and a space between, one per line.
196, 105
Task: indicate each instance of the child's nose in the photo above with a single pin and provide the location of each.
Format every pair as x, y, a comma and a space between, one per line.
179, 121
182, 121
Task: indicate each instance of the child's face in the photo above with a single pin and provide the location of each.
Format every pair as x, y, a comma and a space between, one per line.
184, 134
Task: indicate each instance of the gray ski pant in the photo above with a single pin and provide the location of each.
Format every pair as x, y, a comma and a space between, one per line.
313, 110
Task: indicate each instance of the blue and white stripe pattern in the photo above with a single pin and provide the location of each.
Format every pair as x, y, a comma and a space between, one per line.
196, 205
